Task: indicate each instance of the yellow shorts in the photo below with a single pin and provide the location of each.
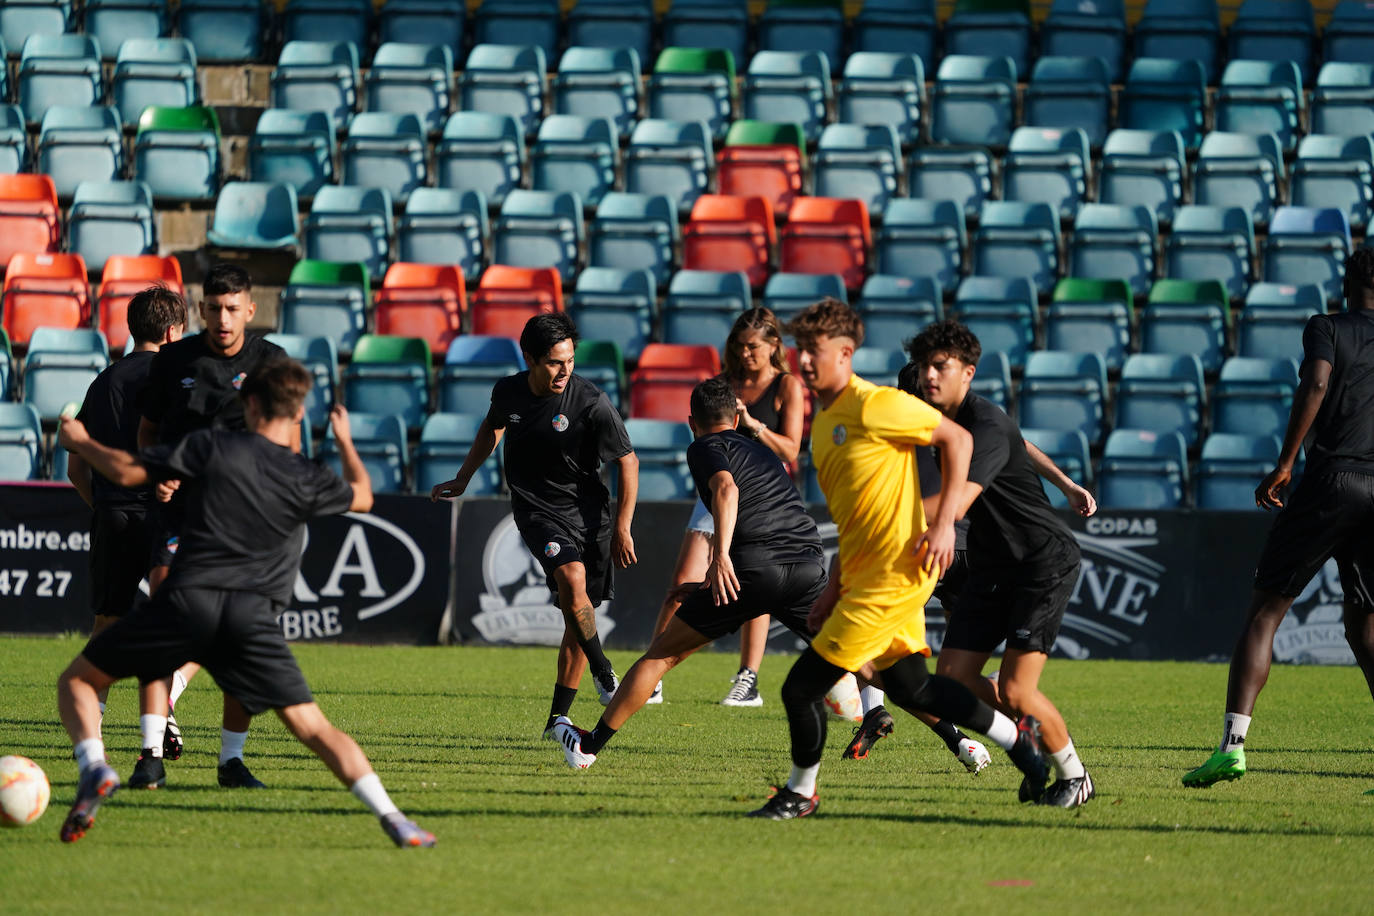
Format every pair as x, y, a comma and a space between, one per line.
882, 626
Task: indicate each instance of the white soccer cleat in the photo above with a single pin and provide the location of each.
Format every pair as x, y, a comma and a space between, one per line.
656, 697
604, 693
569, 736
973, 755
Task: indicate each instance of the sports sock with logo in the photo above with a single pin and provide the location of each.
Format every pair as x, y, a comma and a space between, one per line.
1066, 762
152, 727
89, 753
1233, 732
562, 702
230, 745
596, 739
368, 790
178, 688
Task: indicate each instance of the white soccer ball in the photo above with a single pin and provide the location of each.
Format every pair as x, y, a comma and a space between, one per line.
843, 702
24, 791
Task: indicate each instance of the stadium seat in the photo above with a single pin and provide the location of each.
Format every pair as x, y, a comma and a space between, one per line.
661, 387
1239, 170
1253, 396
6, 366
974, 101
599, 82
812, 26
1333, 171
661, 447
350, 224
80, 143
1064, 391
672, 158
443, 226
125, 275
960, 174
505, 80
472, 365
1096, 28
21, 442
611, 25
860, 162
480, 152
1181, 30
999, 28
518, 22
321, 358
255, 215
445, 440
634, 231
788, 87
111, 217
1261, 97
381, 443
1070, 92
824, 235
385, 150
14, 139
153, 71
1349, 33
329, 299
44, 291
1017, 240
177, 152
602, 363
69, 340
923, 238
1069, 450
29, 217
615, 304
701, 306
720, 24
1343, 100
389, 374
694, 83
293, 147
1090, 316
765, 159
1286, 296
1272, 322
335, 21
1111, 241
1165, 95
575, 154
879, 364
58, 70
1212, 243
425, 301
55, 378
1232, 466
896, 307
1001, 312
424, 22
1161, 393
1143, 168
113, 22
786, 294
19, 20
318, 76
1050, 165
1307, 245
414, 79
883, 88
1143, 470
223, 30
539, 229
730, 233
896, 27
1187, 317
1274, 30
992, 379
507, 297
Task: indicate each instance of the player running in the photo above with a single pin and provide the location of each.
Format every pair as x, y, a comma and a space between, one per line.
248, 495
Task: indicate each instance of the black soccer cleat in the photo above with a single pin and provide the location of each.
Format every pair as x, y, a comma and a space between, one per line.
1029, 758
786, 804
1069, 793
95, 786
148, 773
877, 724
171, 739
234, 775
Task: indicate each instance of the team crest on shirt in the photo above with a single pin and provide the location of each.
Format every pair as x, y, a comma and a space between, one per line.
552, 549
237, 380
560, 422
839, 434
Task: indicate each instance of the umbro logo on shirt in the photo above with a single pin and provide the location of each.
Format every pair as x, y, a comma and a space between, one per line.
188, 382
514, 418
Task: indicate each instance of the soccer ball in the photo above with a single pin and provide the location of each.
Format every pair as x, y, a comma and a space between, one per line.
24, 791
843, 702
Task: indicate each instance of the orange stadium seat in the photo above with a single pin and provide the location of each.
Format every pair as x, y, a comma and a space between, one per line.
123, 276
661, 388
29, 218
45, 290
422, 300
827, 236
760, 157
728, 233
507, 297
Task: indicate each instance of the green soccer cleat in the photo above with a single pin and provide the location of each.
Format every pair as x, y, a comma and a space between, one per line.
1221, 766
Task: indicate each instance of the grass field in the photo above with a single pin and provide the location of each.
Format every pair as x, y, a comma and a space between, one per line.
656, 823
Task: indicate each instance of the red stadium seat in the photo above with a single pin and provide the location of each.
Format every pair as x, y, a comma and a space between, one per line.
730, 233
422, 300
29, 218
827, 236
661, 387
44, 290
123, 276
507, 297
774, 172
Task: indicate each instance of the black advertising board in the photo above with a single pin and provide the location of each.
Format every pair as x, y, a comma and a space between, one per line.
45, 543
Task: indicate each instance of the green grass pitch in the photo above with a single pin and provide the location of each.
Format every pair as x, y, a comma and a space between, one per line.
656, 824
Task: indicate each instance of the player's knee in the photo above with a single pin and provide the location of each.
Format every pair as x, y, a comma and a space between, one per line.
1014, 693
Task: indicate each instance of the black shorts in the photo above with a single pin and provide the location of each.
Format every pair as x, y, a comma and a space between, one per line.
1023, 605
554, 544
786, 591
120, 540
233, 634
952, 582
1329, 514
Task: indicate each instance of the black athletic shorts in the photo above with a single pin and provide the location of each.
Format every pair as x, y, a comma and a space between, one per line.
1024, 606
1329, 514
233, 634
119, 558
952, 582
555, 543
787, 592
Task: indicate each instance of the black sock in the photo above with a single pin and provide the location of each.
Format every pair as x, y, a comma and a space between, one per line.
597, 660
950, 735
562, 702
597, 738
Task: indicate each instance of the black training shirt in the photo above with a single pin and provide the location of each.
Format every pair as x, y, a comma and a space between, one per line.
246, 499
555, 446
1343, 433
771, 524
192, 387
928, 471
1011, 521
111, 413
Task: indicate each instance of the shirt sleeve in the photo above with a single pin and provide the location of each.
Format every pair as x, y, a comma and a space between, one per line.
330, 493
899, 417
991, 452
1318, 341
185, 460
612, 441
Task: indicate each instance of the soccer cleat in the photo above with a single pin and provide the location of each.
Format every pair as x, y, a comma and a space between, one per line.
877, 724
148, 772
171, 738
656, 697
405, 832
604, 692
1029, 758
95, 786
972, 755
1222, 766
1069, 793
745, 691
570, 737
234, 775
786, 804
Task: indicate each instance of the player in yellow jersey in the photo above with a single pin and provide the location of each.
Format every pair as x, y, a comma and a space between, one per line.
890, 560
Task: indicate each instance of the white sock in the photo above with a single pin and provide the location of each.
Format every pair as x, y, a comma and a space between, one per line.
152, 726
1003, 731
1066, 762
89, 753
231, 745
871, 697
102, 716
369, 791
803, 780
178, 687
1233, 732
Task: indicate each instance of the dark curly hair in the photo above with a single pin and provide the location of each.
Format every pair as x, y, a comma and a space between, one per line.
948, 336
1359, 275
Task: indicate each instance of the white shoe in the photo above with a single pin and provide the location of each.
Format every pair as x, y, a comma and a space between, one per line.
603, 694
973, 755
656, 697
570, 738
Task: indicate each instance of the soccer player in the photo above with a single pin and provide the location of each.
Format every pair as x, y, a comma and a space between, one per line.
248, 495
120, 526
194, 384
889, 559
1329, 513
766, 558
1023, 561
559, 429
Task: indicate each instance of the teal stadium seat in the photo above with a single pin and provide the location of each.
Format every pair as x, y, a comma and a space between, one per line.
789, 87
20, 19
1349, 33
1087, 28
974, 101
80, 143
1143, 470
812, 26
381, 443
633, 231
480, 152
14, 139
661, 447
1064, 391
293, 147
1333, 171
701, 306
858, 162
580, 155
1017, 239
673, 158
1212, 243
922, 238
1111, 241
327, 299
611, 25
881, 87
445, 440
599, 82
1000, 28
385, 150
1001, 312
992, 379
786, 294
472, 365
1047, 164
320, 356
1239, 170
1070, 92
896, 307
722, 24
111, 218
1343, 99
350, 224
255, 215
1231, 468
1143, 168
1162, 393
113, 22
1308, 245
223, 30
960, 174
318, 76
1253, 396
153, 71
615, 304
1165, 95
1181, 30
424, 22
344, 21
444, 226
896, 27
518, 22
1261, 97
539, 229
21, 442
1274, 30
412, 79
58, 70
505, 79
1069, 450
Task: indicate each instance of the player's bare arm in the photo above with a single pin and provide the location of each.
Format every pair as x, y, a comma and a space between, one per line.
1307, 402
117, 465
720, 575
79, 473
354, 471
1080, 500
483, 445
622, 542
956, 448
